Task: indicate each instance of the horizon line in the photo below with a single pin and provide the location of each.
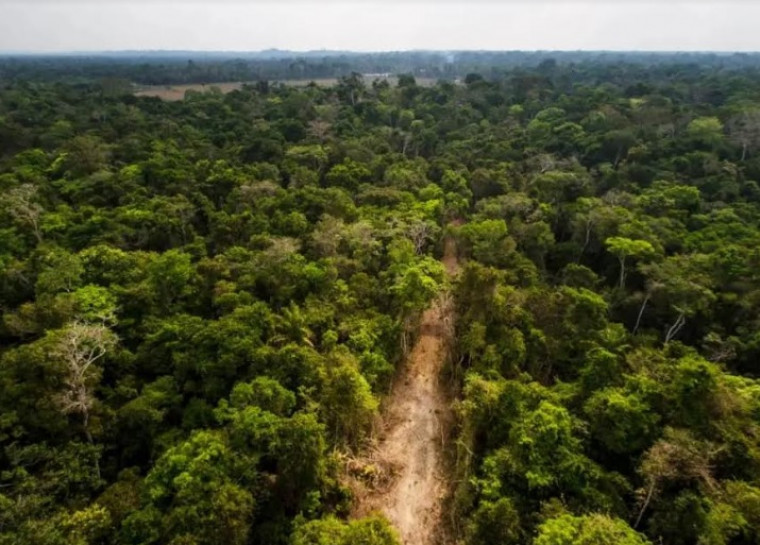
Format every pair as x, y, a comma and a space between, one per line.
104, 52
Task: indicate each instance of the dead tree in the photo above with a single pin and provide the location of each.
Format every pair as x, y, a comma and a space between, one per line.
22, 205
419, 232
79, 347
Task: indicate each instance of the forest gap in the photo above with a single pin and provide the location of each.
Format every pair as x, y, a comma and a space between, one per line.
416, 425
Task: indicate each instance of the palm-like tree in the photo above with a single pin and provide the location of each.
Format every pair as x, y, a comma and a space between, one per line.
291, 326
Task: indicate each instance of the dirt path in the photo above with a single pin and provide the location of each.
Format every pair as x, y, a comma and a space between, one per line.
416, 421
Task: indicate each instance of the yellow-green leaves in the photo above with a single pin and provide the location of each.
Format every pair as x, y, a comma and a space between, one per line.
595, 529
624, 248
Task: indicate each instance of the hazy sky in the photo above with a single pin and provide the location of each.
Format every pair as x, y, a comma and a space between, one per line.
372, 25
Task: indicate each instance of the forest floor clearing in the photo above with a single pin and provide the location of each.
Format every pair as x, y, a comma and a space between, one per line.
404, 474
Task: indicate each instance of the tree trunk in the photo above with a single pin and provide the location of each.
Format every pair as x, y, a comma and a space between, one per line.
641, 313
37, 233
622, 272
589, 223
644, 507
675, 328
88, 435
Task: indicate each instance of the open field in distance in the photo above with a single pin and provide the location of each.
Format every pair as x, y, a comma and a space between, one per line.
177, 92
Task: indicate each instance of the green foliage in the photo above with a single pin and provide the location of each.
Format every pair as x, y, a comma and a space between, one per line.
587, 530
543, 448
197, 490
623, 248
622, 421
330, 531
488, 241
607, 377
347, 401
203, 299
266, 393
706, 130
494, 522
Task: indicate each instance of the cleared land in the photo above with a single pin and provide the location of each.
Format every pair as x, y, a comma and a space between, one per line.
410, 449
177, 92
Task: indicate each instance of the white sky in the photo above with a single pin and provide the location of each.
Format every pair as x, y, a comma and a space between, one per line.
372, 25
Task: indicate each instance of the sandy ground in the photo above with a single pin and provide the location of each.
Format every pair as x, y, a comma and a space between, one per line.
416, 422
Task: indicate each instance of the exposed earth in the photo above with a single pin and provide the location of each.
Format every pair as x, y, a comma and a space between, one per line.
417, 419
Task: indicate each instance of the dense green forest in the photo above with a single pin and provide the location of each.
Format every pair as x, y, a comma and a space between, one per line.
205, 301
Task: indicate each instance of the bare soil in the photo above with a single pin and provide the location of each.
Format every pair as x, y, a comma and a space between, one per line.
407, 467
177, 92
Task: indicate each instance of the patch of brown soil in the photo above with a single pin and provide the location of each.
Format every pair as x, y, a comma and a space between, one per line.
403, 476
177, 92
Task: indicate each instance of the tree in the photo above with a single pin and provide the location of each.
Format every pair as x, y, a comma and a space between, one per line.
535, 239
291, 326
416, 284
617, 143
561, 186
61, 271
313, 156
320, 129
199, 491
330, 531
348, 175
595, 529
85, 155
678, 455
170, 277
351, 88
544, 450
420, 232
347, 401
264, 392
744, 130
624, 248
682, 283
494, 522
706, 130
621, 420
594, 220
79, 346
488, 241
23, 206
668, 199
87, 526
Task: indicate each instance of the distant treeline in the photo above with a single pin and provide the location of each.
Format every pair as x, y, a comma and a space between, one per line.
176, 67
